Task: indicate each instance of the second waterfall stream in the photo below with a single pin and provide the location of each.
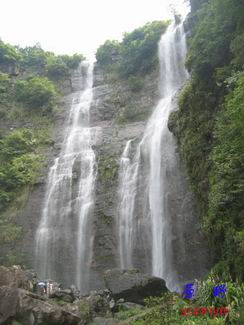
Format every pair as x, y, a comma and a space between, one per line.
64, 236
156, 152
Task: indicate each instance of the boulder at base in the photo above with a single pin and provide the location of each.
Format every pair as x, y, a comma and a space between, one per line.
14, 276
133, 286
28, 309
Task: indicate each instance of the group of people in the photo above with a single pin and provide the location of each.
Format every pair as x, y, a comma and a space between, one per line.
44, 288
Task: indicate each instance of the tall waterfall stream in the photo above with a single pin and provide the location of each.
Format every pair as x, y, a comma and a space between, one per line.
158, 147
65, 230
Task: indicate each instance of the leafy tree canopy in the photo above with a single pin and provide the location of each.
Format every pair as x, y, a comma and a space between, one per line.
36, 93
8, 53
136, 54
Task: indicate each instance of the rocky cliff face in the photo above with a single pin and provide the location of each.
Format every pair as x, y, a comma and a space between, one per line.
110, 113
26, 211
119, 114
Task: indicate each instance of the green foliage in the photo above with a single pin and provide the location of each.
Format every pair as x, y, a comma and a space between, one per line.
237, 49
132, 114
56, 66
57, 69
136, 54
139, 49
196, 4
210, 46
34, 57
9, 233
125, 314
34, 60
27, 97
135, 83
17, 143
166, 309
209, 128
226, 204
36, 93
85, 310
19, 165
12, 258
23, 170
5, 84
108, 168
107, 53
8, 54
72, 61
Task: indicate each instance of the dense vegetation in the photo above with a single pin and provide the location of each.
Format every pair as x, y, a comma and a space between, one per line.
209, 127
171, 308
37, 60
131, 68
135, 56
31, 81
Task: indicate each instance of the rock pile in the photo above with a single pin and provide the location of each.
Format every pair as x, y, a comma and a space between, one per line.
19, 304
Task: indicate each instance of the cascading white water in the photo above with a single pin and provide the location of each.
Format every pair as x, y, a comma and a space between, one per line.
160, 142
127, 192
158, 148
64, 235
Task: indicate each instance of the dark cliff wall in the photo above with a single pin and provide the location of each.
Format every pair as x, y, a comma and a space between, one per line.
197, 4
209, 135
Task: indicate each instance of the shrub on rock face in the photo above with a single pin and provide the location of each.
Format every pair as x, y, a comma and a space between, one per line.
72, 61
36, 93
19, 165
34, 56
107, 53
8, 54
5, 84
139, 49
57, 69
135, 83
16, 143
135, 55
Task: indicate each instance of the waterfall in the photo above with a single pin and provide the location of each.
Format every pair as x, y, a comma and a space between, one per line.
64, 236
127, 191
160, 143
157, 149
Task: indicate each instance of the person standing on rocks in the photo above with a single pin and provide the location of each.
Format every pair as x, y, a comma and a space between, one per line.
41, 288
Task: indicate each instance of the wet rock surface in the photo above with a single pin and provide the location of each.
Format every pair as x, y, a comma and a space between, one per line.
111, 116
27, 308
99, 307
111, 103
132, 286
14, 277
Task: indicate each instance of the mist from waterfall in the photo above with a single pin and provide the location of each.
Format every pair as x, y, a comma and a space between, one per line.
64, 237
157, 151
